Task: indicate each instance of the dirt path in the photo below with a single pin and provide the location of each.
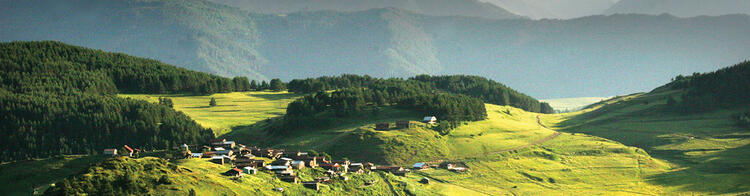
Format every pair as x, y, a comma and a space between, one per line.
389, 183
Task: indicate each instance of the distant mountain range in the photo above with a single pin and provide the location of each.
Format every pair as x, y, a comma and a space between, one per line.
681, 8
589, 56
557, 9
470, 8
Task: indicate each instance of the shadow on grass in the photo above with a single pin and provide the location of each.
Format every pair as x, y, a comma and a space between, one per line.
725, 172
273, 97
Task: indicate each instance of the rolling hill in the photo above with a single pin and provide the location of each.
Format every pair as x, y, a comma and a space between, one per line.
680, 8
542, 58
706, 144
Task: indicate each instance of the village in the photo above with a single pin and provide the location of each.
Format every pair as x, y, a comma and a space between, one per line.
281, 163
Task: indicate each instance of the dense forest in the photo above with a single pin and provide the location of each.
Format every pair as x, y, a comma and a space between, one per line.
726, 87
319, 108
487, 90
60, 99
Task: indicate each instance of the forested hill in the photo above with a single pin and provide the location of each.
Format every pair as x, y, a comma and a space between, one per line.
725, 88
474, 86
59, 99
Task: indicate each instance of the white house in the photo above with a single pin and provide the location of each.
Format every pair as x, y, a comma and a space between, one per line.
110, 152
430, 119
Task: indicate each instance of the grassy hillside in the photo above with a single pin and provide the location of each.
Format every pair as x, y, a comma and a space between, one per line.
705, 147
156, 176
35, 176
233, 110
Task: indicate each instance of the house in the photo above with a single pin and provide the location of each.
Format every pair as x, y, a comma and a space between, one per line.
403, 124
110, 152
228, 144
298, 164
267, 152
249, 170
291, 179
356, 167
312, 162
221, 159
430, 119
389, 168
311, 185
342, 162
234, 172
208, 154
458, 169
278, 169
217, 142
228, 153
282, 161
196, 155
130, 150
368, 165
296, 156
247, 156
331, 166
382, 126
419, 166
219, 149
184, 148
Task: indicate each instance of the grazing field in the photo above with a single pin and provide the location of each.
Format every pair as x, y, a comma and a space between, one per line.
232, 110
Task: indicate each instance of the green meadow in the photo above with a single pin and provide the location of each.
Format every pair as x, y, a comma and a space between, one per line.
622, 146
233, 110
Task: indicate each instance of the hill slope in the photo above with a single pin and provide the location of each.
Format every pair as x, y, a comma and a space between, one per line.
707, 145
681, 8
393, 43
194, 34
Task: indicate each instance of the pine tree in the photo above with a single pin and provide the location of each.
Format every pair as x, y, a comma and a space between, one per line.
212, 103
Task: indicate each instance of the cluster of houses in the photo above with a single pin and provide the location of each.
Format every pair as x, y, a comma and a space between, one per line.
128, 151
246, 160
404, 124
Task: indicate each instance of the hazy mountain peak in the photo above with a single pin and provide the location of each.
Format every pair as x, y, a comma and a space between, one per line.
471, 8
681, 8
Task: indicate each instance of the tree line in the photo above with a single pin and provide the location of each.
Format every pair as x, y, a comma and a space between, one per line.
725, 88
487, 90
321, 108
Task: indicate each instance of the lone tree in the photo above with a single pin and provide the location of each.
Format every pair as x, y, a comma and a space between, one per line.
212, 103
